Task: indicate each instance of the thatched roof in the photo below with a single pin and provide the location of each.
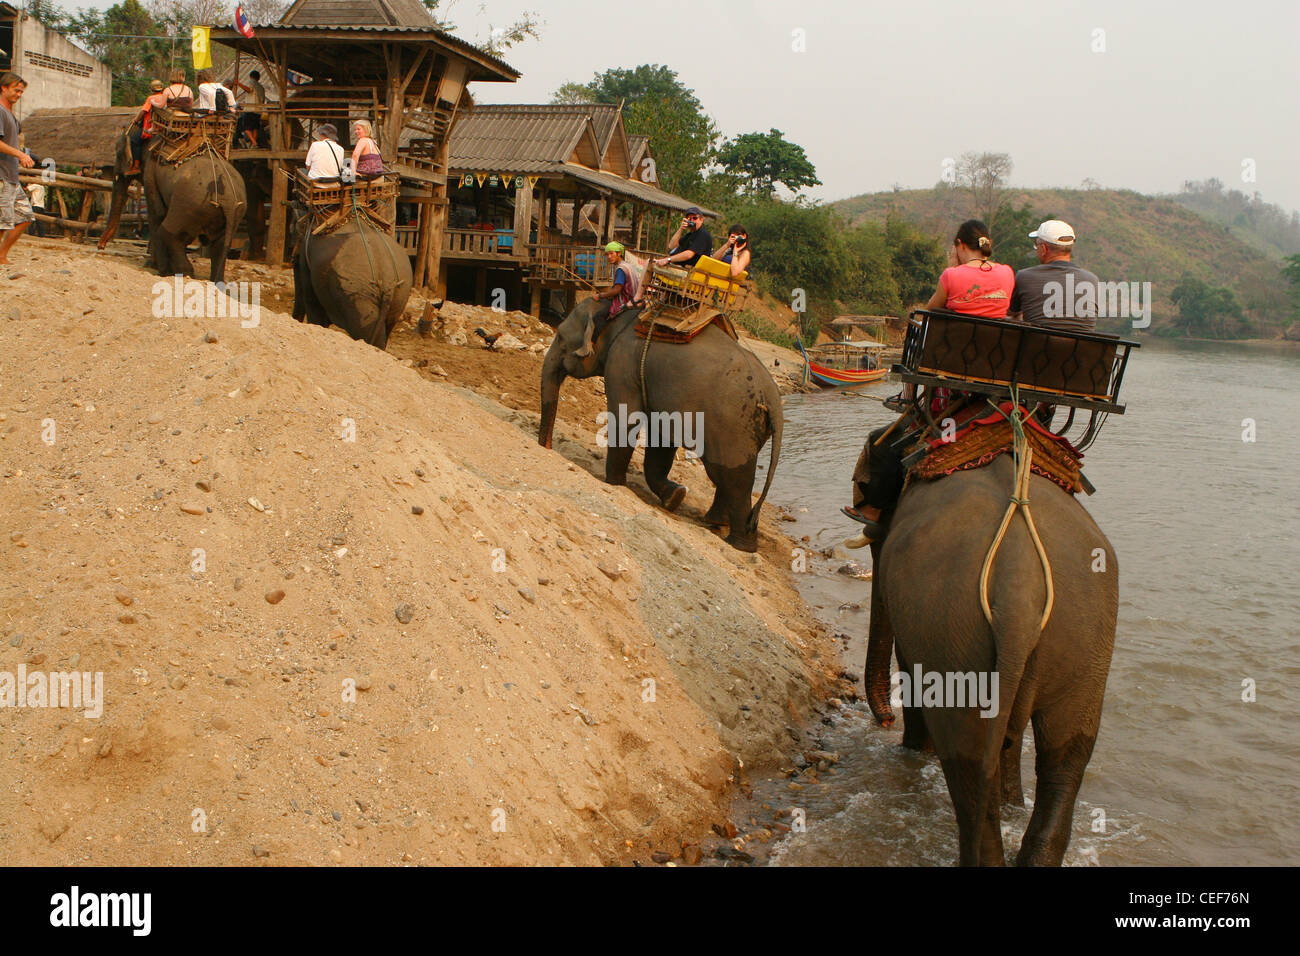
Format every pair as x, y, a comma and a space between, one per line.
77, 136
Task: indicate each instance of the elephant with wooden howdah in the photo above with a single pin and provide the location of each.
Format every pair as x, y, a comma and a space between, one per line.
356, 277
925, 604
200, 198
736, 400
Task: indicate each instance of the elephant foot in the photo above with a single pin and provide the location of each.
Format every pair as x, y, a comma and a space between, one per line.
747, 541
673, 500
716, 518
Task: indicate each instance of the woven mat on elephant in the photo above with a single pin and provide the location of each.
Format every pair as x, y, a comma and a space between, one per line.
984, 439
672, 331
334, 203
178, 135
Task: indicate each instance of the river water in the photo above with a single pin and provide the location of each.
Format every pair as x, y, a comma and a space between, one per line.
1206, 527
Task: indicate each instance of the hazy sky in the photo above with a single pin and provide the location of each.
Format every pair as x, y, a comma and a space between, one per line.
1142, 94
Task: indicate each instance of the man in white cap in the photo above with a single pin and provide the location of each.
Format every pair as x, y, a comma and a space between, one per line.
1053, 294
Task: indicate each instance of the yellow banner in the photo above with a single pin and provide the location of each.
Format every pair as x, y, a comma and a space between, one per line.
532, 181
199, 46
481, 177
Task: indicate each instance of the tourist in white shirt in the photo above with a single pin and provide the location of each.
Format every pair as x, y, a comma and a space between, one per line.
325, 158
208, 93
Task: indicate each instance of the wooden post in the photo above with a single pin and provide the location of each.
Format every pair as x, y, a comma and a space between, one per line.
278, 218
437, 224
523, 217
638, 220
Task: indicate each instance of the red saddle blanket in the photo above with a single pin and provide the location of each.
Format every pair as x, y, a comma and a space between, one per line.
980, 440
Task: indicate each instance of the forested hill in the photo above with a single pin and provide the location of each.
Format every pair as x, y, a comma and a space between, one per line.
1123, 236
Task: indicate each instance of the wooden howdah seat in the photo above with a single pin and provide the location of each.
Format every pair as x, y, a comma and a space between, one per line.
177, 135
991, 356
332, 202
978, 362
680, 303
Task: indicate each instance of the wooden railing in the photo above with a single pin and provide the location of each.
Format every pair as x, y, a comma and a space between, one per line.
478, 243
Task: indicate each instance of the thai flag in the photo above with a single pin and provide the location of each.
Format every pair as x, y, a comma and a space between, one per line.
241, 22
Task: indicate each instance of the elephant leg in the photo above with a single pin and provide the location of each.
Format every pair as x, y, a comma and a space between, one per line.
1013, 793
170, 254
916, 735
658, 463
617, 460
960, 737
1061, 753
218, 252
717, 513
734, 489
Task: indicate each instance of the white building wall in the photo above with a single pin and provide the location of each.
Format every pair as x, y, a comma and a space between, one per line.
58, 73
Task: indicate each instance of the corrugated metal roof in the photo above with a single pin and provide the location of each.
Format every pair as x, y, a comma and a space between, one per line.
391, 13
632, 188
503, 137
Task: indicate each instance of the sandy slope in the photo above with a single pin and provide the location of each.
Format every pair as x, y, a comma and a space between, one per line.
499, 716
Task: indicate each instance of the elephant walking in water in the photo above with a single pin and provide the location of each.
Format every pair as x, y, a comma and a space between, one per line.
711, 380
356, 277
925, 603
202, 198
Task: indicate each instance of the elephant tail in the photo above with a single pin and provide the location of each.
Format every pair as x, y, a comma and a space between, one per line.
775, 423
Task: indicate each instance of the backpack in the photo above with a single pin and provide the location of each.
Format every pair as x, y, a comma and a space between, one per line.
221, 100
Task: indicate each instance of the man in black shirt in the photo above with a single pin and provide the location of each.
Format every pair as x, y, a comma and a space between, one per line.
689, 242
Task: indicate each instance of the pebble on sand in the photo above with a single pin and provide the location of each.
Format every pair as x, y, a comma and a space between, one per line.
274, 597
192, 508
404, 613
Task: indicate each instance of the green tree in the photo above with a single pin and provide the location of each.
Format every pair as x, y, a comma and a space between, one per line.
759, 161
656, 104
1010, 228
1205, 310
799, 256
869, 284
1291, 272
916, 260
120, 37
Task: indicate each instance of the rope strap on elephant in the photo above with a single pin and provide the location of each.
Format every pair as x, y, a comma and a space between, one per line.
1024, 459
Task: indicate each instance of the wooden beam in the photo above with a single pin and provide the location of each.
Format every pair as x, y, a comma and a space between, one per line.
278, 222
437, 212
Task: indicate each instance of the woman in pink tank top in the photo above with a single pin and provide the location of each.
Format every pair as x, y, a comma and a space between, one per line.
973, 284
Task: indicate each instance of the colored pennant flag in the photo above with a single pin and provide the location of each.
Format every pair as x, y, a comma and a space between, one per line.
242, 24
199, 46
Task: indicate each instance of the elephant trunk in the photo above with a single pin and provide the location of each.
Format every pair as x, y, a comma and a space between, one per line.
880, 650
553, 376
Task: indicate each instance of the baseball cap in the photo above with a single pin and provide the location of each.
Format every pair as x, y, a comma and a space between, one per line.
1055, 231
695, 211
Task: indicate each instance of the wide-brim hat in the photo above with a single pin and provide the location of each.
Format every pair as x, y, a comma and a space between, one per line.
326, 131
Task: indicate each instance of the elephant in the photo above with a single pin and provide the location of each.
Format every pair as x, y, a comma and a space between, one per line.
711, 380
925, 603
202, 198
356, 277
